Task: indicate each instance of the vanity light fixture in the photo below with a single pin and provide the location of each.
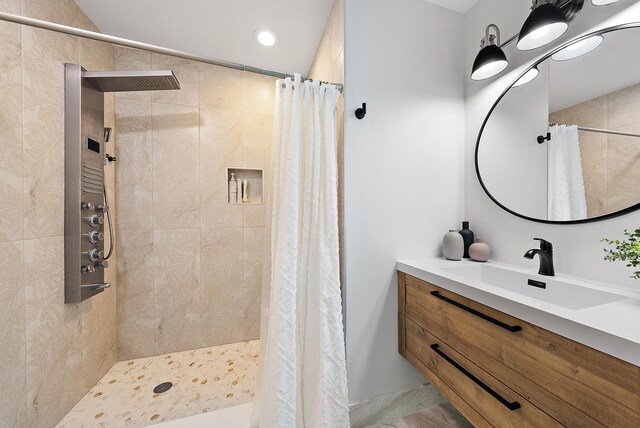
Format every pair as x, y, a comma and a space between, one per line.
527, 77
491, 60
602, 2
265, 37
577, 49
546, 23
548, 20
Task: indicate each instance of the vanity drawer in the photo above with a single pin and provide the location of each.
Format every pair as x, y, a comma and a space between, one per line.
498, 405
575, 384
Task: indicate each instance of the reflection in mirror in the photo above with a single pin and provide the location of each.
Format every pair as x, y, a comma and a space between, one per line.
563, 144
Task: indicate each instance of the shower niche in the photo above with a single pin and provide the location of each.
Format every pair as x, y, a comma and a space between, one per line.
254, 194
85, 196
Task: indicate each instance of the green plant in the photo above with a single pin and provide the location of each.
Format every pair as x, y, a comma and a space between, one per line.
625, 251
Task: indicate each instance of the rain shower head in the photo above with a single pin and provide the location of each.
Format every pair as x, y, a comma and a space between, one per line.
128, 81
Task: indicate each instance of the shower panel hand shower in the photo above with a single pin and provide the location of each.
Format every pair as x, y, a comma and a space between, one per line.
86, 197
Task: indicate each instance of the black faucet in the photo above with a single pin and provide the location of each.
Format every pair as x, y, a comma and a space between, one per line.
546, 257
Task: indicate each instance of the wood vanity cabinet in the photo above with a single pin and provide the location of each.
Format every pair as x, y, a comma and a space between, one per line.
500, 371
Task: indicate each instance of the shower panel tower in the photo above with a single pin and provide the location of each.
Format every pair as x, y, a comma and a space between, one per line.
85, 192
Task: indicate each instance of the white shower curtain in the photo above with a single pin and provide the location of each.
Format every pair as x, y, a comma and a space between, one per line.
566, 195
302, 379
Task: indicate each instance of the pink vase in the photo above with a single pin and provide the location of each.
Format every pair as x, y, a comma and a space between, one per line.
479, 251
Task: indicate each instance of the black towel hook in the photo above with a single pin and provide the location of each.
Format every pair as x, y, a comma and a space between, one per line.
361, 112
542, 139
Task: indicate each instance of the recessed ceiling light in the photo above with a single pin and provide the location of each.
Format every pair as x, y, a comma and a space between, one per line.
577, 49
265, 37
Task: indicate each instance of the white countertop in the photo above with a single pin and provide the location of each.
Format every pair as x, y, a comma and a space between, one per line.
613, 328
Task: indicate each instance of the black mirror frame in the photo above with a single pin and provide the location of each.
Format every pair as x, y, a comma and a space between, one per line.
495, 104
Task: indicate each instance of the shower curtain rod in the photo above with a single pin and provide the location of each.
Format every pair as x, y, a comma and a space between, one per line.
602, 131
45, 25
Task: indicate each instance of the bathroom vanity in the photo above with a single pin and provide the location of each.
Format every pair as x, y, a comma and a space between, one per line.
539, 353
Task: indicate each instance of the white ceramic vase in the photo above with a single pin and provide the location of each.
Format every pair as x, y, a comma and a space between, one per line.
453, 245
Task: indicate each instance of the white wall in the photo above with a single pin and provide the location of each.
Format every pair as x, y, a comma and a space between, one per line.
403, 169
521, 182
578, 247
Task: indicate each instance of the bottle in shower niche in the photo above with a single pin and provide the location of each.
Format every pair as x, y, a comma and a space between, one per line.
233, 189
467, 236
452, 246
245, 191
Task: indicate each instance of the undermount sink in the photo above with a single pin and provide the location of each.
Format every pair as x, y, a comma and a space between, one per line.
560, 291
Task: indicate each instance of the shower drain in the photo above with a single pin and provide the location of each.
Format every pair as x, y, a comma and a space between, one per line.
163, 387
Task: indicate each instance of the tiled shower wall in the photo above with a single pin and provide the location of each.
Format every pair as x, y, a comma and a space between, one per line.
189, 271
51, 354
609, 162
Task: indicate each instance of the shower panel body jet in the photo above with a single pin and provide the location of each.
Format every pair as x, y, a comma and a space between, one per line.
85, 191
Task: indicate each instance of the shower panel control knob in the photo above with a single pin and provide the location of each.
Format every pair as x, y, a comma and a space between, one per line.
95, 220
95, 254
88, 269
95, 236
103, 265
88, 206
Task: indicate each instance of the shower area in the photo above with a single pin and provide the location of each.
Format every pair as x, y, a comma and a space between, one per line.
188, 261
176, 331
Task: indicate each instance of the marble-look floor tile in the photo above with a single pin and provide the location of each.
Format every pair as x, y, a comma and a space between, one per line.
203, 380
440, 416
394, 406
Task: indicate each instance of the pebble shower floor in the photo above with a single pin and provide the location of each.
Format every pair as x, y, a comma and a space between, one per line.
203, 380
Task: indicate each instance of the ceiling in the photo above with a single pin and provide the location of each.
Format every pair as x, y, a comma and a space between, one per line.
461, 6
220, 29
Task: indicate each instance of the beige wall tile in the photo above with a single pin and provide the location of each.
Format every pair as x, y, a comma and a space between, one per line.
593, 153
592, 113
222, 279
623, 173
43, 98
220, 147
253, 249
59, 11
11, 165
178, 290
53, 335
624, 106
99, 330
13, 409
258, 93
11, 6
135, 294
193, 142
41, 338
132, 59
255, 215
187, 73
134, 180
257, 135
176, 199
220, 88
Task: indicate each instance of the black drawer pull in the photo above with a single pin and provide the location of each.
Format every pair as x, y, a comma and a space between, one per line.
509, 405
511, 328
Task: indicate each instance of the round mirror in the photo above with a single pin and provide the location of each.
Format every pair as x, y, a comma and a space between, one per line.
562, 143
